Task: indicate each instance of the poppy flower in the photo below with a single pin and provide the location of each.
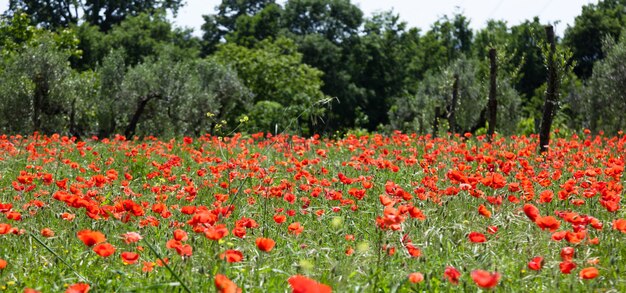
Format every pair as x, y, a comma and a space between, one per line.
452, 275
620, 225
484, 211
416, 277
548, 222
412, 250
536, 263
265, 244
78, 288
47, 232
225, 285
566, 267
104, 249
148, 266
91, 238
232, 255
131, 237
216, 232
295, 228
567, 253
184, 250
180, 235
3, 264
589, 273
477, 237
302, 284
485, 279
531, 211
4, 228
279, 219
129, 257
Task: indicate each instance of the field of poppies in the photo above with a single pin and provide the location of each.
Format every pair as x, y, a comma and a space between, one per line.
263, 213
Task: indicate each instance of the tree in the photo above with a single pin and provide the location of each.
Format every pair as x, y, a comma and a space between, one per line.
597, 21
446, 40
327, 35
604, 95
273, 71
384, 67
227, 20
101, 13
36, 89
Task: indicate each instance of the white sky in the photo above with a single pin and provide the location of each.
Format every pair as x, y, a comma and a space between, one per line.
423, 13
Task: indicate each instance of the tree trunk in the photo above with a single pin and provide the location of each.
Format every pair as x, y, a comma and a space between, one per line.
455, 99
436, 122
549, 107
493, 102
39, 100
132, 125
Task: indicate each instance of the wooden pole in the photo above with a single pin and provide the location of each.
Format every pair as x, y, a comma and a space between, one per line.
455, 99
493, 102
549, 106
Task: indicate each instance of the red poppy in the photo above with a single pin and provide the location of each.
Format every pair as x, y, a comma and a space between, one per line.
265, 244
47, 232
104, 249
477, 237
4, 228
536, 263
184, 250
225, 285
180, 235
302, 284
589, 273
567, 253
78, 288
566, 267
90, 238
452, 275
131, 237
279, 219
129, 257
485, 279
3, 264
531, 212
620, 225
216, 232
148, 266
295, 228
548, 222
412, 250
484, 211
416, 277
232, 255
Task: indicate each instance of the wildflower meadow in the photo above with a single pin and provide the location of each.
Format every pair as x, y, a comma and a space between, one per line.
280, 213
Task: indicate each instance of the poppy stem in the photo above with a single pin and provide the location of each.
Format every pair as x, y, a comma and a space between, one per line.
59, 258
167, 266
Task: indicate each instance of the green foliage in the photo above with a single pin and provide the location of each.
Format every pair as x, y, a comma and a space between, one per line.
274, 72
36, 88
165, 96
239, 19
102, 13
145, 35
604, 96
604, 19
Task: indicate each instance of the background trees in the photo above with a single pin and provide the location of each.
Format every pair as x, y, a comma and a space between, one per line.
308, 66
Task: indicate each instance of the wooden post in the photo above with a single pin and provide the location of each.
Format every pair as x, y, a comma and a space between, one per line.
455, 98
549, 106
493, 102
